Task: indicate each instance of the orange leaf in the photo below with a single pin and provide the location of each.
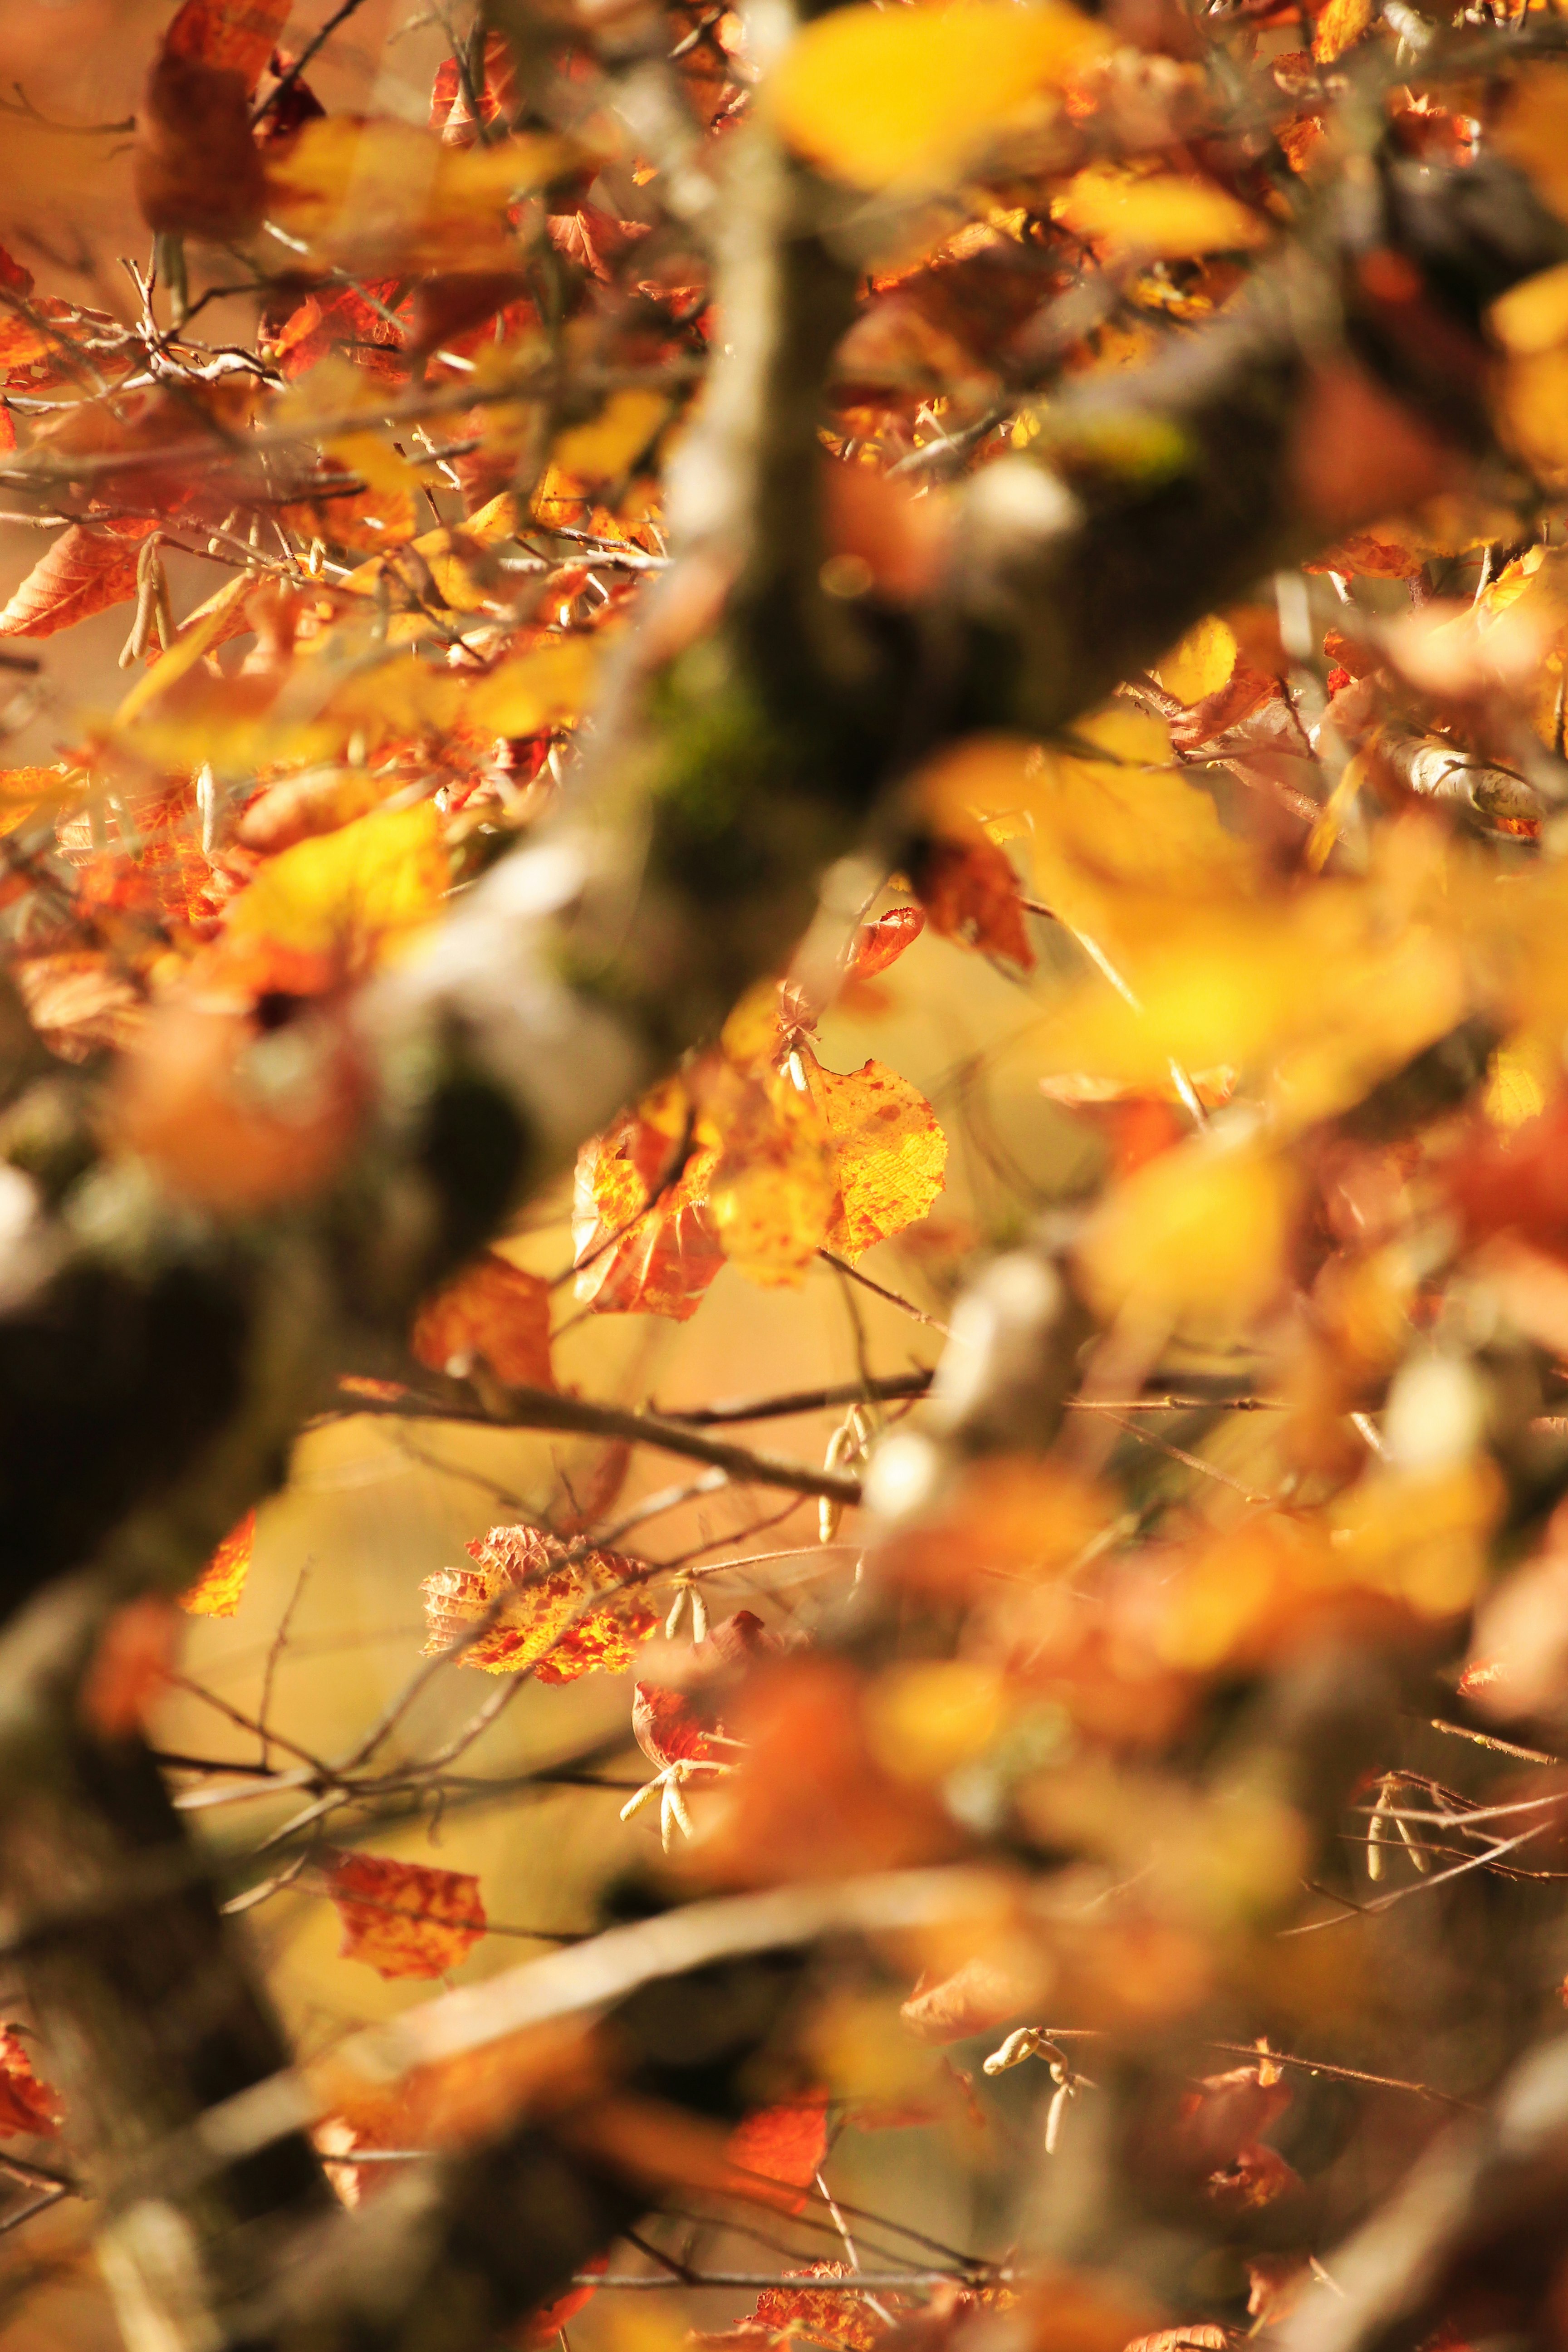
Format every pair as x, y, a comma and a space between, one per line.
539, 2332
238, 33
402, 1917
644, 1239
970, 891
449, 112
495, 1310
128, 1667
85, 571
786, 2144
27, 2105
217, 1591
550, 1624
881, 943
889, 1154
846, 2321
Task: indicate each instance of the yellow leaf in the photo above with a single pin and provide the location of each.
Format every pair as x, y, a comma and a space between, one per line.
202, 630
889, 1154
1532, 316
1530, 132
774, 1192
1164, 216
1341, 23
880, 96
598, 454
542, 688
1196, 1235
1202, 663
335, 906
362, 193
1532, 407
217, 1591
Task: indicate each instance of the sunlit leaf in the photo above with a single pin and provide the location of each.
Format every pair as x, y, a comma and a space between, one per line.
1196, 1234
369, 194
643, 1237
89, 568
403, 1918
29, 2107
560, 1611
877, 97
219, 1588
334, 906
889, 1154
1164, 215
493, 1310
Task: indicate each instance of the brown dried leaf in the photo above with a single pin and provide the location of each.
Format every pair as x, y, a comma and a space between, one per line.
970, 891
197, 171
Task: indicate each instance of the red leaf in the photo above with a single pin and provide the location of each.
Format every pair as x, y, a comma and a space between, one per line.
402, 1917
881, 943
668, 1730
89, 568
27, 2105
239, 35
787, 2145
537, 2334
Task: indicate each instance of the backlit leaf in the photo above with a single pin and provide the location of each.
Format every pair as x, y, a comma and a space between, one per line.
889, 1154
644, 1237
1198, 1233
85, 571
219, 1588
559, 1611
28, 2107
331, 909
403, 1918
787, 2144
369, 194
1163, 217
495, 1311
876, 97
